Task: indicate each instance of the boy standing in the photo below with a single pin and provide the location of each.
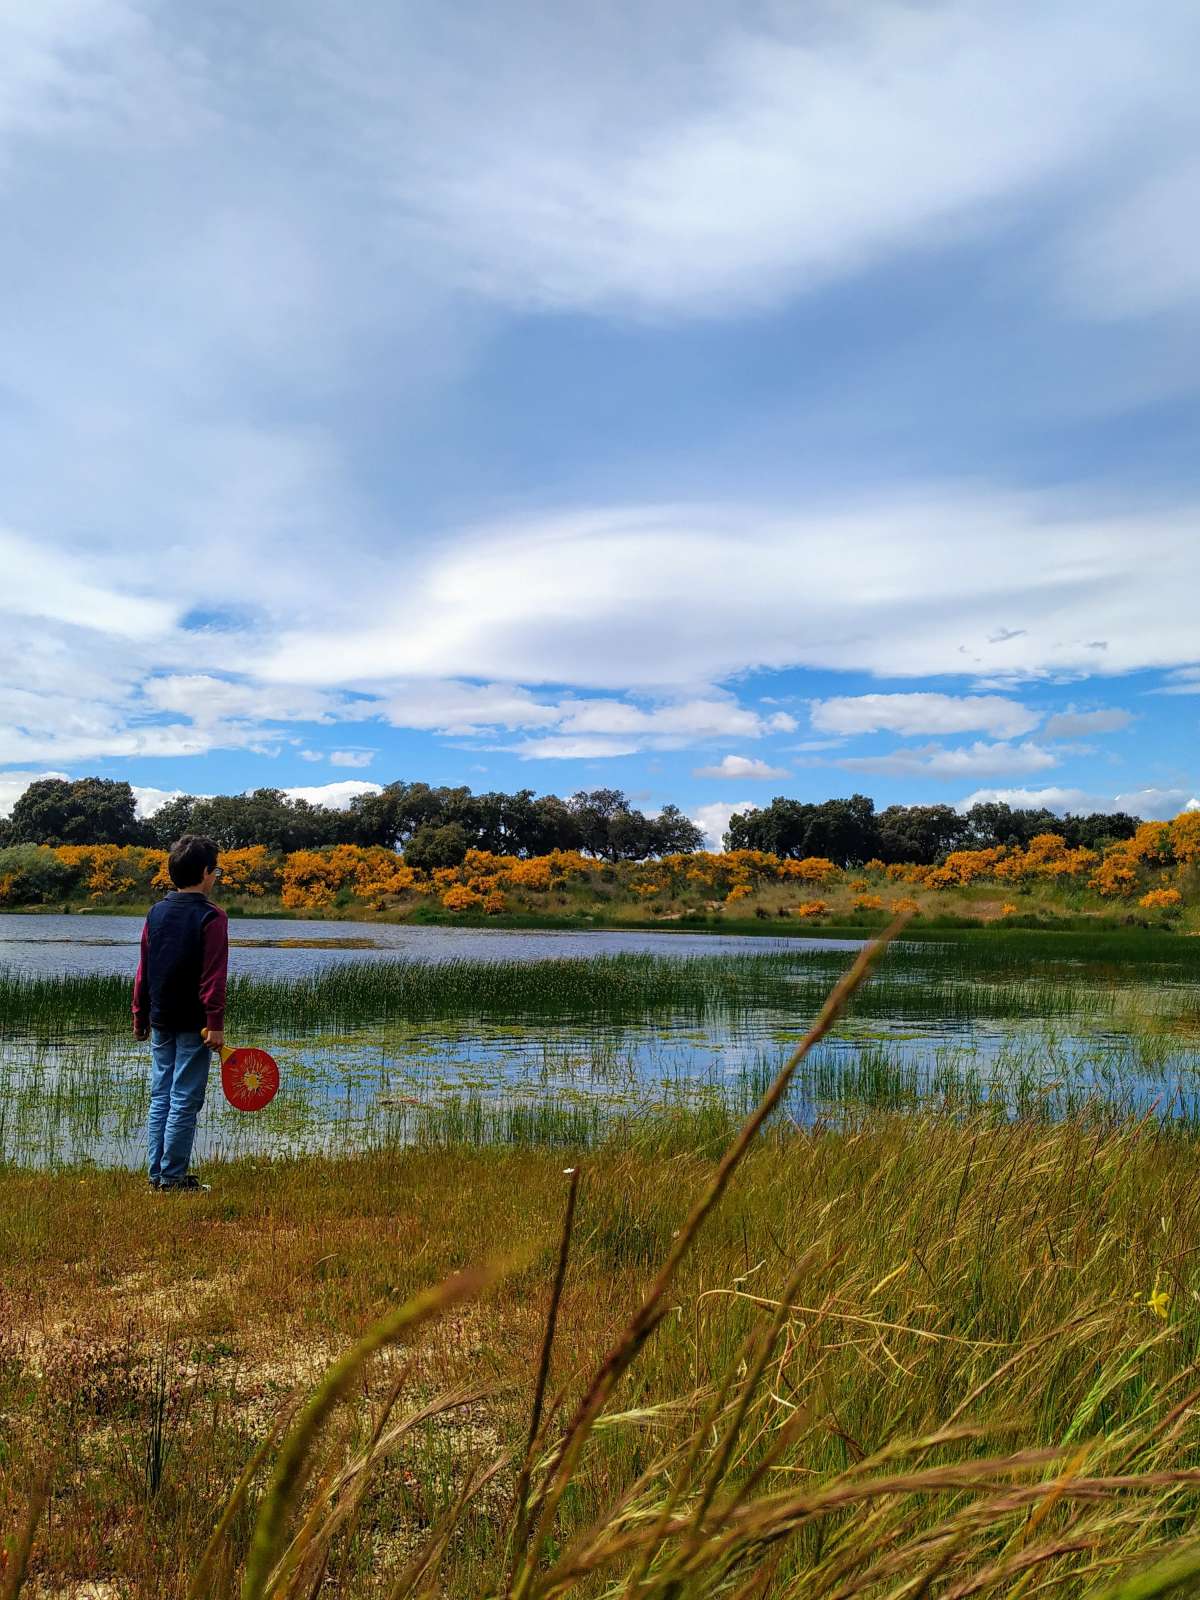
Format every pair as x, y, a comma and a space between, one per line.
179, 992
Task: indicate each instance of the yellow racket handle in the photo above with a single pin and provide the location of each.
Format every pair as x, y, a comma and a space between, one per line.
224, 1050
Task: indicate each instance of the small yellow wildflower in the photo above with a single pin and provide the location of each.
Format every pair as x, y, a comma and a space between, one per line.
1158, 1300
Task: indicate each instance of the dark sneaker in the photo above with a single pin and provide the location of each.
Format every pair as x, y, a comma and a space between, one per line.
189, 1185
155, 1184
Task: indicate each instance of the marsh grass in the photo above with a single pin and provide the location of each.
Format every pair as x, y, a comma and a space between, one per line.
918, 1355
1012, 974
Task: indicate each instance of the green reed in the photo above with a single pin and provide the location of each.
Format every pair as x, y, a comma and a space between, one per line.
1001, 978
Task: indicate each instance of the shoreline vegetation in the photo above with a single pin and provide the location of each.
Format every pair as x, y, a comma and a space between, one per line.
911, 1353
1151, 879
1019, 976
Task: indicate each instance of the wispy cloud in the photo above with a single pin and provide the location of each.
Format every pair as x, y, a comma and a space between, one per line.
695, 594
761, 162
1185, 680
910, 714
941, 761
1083, 724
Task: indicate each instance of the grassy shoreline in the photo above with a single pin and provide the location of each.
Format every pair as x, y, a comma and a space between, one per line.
999, 1278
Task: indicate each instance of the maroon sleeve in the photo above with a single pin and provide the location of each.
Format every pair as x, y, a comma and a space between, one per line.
214, 963
141, 984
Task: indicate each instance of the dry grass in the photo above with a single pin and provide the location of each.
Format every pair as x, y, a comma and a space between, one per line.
994, 1279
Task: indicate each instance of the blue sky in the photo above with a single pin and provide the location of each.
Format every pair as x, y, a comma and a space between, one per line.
712, 401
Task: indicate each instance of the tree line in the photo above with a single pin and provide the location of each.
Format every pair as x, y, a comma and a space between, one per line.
851, 832
433, 826
436, 826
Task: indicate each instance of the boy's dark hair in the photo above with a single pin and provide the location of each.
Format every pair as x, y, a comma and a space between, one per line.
190, 858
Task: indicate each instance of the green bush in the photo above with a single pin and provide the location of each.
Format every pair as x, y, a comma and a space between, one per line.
33, 874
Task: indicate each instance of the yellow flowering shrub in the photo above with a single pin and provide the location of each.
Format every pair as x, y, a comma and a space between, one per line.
459, 898
812, 908
494, 903
810, 869
868, 902
904, 905
109, 871
533, 874
250, 871
1116, 875
1048, 857
1185, 837
905, 872
1161, 900
311, 878
964, 867
380, 874
1008, 909
738, 892
1151, 844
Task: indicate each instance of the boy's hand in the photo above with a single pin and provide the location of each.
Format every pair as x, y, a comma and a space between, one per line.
140, 1034
215, 1038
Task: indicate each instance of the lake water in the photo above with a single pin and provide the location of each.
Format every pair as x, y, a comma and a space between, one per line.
85, 943
1047, 1033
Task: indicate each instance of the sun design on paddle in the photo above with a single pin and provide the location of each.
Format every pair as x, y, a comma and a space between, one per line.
249, 1078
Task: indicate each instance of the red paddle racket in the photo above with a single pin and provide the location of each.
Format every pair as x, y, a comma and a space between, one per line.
249, 1077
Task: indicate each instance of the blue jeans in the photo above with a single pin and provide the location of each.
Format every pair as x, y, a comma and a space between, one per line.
177, 1086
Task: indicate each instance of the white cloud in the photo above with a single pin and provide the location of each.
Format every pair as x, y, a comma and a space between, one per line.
449, 707
533, 159
555, 748
1058, 800
14, 784
1082, 724
1138, 253
923, 713
1151, 804
312, 755
756, 163
150, 800
1156, 804
713, 819
741, 767
72, 587
338, 795
682, 595
938, 761
351, 758
1185, 680
75, 70
206, 700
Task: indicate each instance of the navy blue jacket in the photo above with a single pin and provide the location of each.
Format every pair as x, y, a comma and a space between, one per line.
180, 983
